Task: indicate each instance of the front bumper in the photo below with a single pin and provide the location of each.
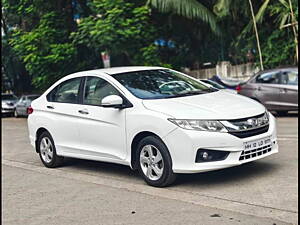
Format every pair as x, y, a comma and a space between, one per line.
8, 110
184, 144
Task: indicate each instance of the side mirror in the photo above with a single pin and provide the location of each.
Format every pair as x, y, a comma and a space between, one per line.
112, 101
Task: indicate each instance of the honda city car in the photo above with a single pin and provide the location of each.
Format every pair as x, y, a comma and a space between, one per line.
156, 120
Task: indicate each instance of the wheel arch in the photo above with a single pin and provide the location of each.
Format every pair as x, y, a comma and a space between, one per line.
135, 141
37, 134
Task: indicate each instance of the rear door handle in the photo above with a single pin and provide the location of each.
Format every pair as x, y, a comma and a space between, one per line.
259, 88
50, 107
283, 90
83, 111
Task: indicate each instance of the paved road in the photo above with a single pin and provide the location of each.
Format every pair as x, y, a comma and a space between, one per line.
87, 192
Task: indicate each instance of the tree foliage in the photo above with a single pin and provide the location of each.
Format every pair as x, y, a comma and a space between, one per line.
45, 40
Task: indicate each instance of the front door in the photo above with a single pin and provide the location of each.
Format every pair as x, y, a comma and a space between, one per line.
102, 130
267, 89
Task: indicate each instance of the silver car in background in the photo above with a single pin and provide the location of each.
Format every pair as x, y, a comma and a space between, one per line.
23, 104
8, 102
277, 89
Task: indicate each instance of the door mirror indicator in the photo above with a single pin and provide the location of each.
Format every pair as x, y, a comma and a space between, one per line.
112, 101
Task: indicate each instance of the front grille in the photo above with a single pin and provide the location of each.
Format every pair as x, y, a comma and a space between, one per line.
250, 133
255, 152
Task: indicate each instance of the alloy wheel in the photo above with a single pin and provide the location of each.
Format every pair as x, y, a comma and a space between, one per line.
46, 149
152, 163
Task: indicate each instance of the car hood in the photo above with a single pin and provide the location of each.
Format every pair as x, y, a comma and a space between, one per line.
9, 101
219, 105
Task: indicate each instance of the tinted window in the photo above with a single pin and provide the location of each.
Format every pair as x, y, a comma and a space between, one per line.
32, 97
214, 84
154, 84
289, 78
268, 78
96, 89
8, 97
66, 92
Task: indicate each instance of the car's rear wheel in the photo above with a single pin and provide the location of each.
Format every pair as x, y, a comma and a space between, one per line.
154, 162
47, 151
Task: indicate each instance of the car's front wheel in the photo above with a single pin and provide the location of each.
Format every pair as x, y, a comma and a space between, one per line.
154, 162
47, 151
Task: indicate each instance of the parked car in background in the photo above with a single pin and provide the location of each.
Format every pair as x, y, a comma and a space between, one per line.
23, 104
277, 89
8, 102
218, 86
228, 83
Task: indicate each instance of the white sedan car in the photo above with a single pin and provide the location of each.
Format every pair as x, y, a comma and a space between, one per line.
153, 119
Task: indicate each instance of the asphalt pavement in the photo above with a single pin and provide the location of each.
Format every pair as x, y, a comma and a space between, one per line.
88, 192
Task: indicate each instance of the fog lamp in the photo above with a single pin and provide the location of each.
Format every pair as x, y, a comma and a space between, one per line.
206, 155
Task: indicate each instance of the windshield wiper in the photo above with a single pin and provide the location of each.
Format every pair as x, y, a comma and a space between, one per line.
190, 93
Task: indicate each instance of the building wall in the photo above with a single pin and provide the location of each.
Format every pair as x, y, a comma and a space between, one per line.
225, 69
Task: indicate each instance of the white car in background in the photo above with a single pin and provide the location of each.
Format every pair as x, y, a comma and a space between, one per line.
8, 103
153, 119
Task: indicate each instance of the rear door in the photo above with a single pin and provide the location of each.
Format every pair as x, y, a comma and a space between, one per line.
288, 92
62, 112
20, 106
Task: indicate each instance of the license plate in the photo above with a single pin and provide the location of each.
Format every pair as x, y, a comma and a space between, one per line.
257, 143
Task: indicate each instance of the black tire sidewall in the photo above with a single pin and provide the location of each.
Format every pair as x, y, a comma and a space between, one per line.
56, 160
167, 176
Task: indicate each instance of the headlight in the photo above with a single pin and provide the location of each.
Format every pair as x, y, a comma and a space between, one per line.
201, 125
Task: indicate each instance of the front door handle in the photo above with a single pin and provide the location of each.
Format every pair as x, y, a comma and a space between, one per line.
283, 90
259, 88
83, 111
50, 107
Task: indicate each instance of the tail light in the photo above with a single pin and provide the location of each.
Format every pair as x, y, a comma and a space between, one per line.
29, 110
238, 88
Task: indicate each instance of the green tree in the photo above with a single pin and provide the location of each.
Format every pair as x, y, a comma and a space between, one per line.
122, 28
191, 9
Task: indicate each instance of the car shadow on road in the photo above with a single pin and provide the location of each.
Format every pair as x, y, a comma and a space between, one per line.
108, 169
289, 115
229, 175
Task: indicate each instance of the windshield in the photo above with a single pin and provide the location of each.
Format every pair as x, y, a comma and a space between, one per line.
158, 84
9, 97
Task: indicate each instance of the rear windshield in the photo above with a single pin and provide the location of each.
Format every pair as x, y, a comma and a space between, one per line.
31, 98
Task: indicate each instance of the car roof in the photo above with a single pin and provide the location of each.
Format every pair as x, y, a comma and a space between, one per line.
278, 69
124, 69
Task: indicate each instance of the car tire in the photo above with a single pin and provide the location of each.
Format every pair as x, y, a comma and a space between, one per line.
16, 114
47, 151
282, 113
156, 170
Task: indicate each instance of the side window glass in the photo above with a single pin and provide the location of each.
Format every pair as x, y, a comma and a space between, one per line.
289, 78
268, 78
96, 89
66, 92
